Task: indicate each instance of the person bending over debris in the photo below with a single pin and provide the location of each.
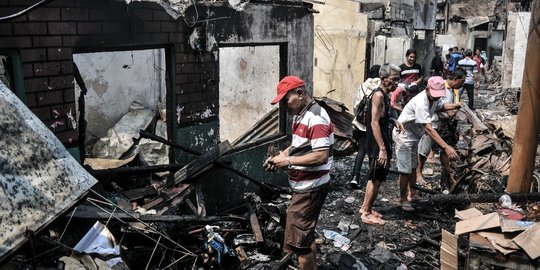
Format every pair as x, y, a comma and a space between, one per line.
308, 160
446, 126
378, 141
416, 119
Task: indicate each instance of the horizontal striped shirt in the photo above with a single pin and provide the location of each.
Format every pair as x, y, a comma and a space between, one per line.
312, 131
469, 66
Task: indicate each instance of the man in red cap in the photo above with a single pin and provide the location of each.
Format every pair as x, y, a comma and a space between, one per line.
308, 160
416, 118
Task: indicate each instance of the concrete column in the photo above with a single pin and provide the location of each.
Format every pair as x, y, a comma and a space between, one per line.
528, 121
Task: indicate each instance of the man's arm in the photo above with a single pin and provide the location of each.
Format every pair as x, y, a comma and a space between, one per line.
377, 108
394, 98
450, 106
283, 160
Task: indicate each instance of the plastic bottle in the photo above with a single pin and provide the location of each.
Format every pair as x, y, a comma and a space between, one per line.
339, 240
505, 201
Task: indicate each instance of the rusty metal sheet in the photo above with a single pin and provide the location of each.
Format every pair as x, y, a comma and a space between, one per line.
38, 177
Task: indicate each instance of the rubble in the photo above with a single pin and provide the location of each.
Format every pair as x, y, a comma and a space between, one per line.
168, 212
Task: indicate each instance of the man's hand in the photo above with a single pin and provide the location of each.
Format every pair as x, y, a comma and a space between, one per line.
451, 153
279, 161
399, 126
383, 157
268, 165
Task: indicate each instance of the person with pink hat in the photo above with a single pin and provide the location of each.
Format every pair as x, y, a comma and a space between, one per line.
308, 161
416, 118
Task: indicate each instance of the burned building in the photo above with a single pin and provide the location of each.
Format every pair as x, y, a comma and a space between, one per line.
211, 67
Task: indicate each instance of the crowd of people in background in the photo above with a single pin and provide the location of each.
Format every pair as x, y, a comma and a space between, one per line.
409, 117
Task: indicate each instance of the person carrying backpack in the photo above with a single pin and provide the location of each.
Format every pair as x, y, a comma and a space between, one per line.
359, 126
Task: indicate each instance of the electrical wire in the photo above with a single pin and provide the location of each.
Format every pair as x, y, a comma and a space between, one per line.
24, 11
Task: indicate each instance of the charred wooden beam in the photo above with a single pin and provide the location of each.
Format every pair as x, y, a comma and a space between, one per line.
255, 224
82, 106
475, 121
98, 214
273, 189
202, 162
483, 197
139, 193
134, 170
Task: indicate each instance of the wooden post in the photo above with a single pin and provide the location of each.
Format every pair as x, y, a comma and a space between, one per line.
528, 120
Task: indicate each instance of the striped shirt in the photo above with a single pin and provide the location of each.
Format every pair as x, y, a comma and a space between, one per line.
469, 66
312, 130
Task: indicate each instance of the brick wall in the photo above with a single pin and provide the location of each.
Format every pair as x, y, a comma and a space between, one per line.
48, 36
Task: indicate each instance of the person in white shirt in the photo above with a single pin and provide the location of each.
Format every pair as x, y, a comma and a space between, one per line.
416, 119
447, 129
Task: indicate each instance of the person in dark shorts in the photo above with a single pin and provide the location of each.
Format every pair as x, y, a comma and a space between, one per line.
359, 128
308, 160
378, 141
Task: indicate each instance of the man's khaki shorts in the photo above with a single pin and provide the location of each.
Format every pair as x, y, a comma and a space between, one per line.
302, 216
406, 154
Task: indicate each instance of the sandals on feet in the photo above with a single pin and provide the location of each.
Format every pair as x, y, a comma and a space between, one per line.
371, 219
373, 212
407, 207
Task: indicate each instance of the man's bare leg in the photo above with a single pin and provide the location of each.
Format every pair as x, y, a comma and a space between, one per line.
367, 197
411, 182
309, 261
419, 177
403, 180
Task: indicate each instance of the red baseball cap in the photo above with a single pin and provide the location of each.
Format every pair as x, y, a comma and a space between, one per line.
285, 85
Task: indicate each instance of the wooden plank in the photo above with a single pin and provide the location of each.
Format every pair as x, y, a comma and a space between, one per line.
178, 200
255, 224
473, 119
449, 251
478, 223
468, 214
195, 167
139, 193
529, 241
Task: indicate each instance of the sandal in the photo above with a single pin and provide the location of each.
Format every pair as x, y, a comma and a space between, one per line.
371, 219
373, 212
407, 207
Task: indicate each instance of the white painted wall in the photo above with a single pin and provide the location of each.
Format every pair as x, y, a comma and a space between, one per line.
339, 50
390, 50
116, 79
445, 42
515, 47
248, 77
522, 21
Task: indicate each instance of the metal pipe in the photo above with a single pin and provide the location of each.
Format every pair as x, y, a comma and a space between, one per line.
528, 120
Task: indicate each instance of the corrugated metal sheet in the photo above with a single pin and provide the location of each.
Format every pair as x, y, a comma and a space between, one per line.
39, 179
341, 119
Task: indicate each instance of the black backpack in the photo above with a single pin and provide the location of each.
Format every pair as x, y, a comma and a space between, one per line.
362, 109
